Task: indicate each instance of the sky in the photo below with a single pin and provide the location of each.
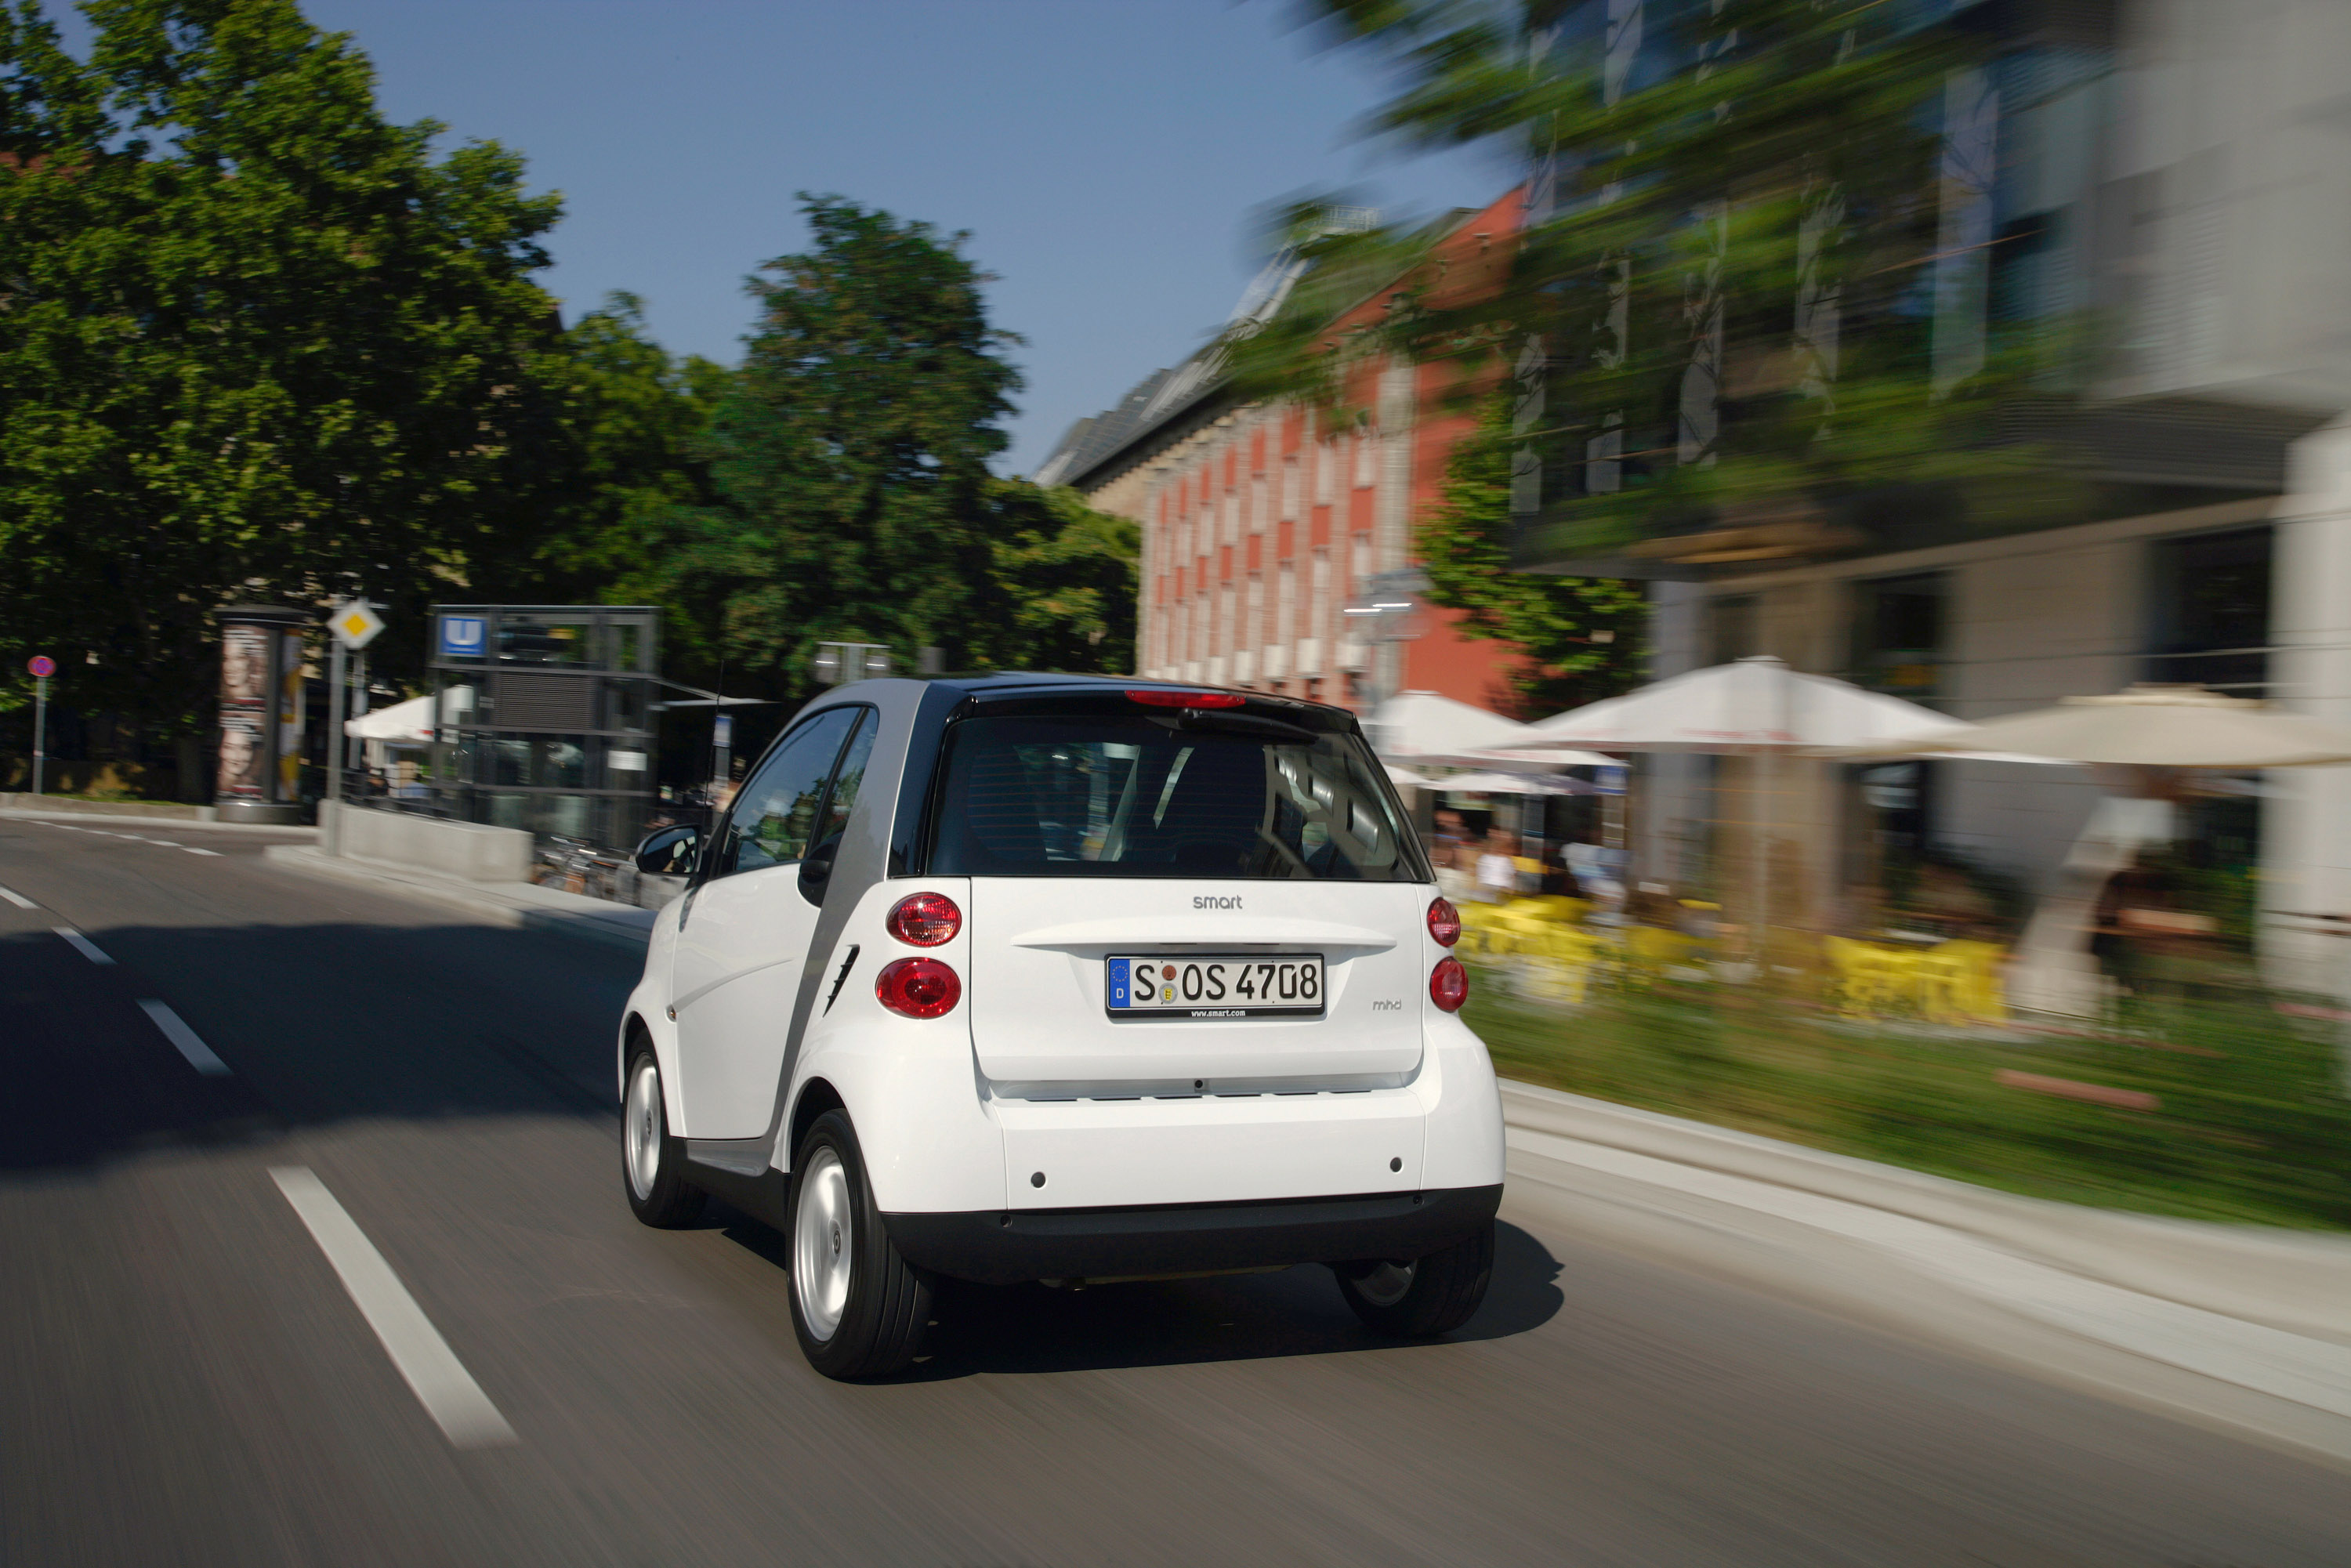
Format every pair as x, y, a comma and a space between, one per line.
1106, 155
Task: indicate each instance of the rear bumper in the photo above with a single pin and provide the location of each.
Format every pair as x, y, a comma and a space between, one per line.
995, 1247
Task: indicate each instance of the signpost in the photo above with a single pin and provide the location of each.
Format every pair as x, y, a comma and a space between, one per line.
43, 667
354, 623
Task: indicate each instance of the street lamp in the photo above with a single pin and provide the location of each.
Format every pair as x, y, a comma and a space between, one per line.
837, 664
1390, 612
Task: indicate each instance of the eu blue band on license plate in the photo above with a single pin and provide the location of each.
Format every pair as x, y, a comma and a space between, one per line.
1215, 986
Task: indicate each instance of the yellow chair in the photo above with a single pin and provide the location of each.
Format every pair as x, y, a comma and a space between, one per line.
1976, 991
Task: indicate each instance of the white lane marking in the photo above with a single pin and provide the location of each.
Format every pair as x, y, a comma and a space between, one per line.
18, 899
83, 945
168, 844
438, 1380
193, 851
175, 1030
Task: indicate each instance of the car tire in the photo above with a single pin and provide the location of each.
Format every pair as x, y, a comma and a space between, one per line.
859, 1308
653, 1159
1426, 1296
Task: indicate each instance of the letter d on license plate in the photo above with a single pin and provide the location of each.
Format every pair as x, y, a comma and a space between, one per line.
1239, 986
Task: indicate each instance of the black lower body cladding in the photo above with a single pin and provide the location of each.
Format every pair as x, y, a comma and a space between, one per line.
997, 1247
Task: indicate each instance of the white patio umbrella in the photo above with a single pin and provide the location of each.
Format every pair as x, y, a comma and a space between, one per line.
1424, 728
1755, 705
1406, 778
1755, 708
411, 721
2150, 726
1517, 784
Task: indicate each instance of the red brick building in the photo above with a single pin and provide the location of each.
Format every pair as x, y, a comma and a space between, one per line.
1260, 530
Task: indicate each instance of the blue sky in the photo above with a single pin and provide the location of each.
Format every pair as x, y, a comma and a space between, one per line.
1106, 155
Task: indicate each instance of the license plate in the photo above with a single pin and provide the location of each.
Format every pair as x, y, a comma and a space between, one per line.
1238, 985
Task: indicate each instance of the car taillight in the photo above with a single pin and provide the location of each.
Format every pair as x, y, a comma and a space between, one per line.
918, 987
1444, 921
925, 919
1150, 698
1448, 984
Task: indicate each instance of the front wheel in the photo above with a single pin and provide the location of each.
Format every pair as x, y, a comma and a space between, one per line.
1423, 1296
652, 1161
858, 1307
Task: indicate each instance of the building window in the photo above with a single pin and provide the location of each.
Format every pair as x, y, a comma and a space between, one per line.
1898, 625
2209, 610
1367, 448
1326, 468
1290, 485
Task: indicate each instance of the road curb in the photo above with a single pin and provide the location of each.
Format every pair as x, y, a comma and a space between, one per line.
2019, 1278
2299, 1282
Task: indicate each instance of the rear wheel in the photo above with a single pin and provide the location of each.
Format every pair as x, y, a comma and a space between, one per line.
1423, 1296
653, 1162
860, 1309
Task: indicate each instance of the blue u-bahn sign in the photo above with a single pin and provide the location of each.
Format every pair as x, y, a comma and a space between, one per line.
464, 636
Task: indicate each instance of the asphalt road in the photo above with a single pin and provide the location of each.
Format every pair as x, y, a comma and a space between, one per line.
185, 1379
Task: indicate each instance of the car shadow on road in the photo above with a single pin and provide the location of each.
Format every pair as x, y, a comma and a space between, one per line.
1010, 1329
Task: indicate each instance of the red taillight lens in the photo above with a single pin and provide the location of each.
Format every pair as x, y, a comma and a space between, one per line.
925, 919
1448, 984
918, 987
1187, 699
1444, 921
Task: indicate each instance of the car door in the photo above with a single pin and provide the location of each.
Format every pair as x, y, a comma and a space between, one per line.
744, 935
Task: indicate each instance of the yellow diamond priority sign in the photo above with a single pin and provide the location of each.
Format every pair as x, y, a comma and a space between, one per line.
355, 625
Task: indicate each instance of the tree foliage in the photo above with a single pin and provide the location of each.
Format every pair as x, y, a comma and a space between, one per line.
1721, 311
256, 342
1582, 636
853, 500
634, 422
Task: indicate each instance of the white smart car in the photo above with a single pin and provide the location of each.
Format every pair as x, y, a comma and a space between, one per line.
1063, 979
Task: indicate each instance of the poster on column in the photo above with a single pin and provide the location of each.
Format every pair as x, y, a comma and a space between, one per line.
245, 713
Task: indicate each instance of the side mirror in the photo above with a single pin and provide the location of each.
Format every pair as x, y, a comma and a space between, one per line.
669, 851
816, 869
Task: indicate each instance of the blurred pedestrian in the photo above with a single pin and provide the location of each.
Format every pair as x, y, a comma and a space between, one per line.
1455, 880
1497, 868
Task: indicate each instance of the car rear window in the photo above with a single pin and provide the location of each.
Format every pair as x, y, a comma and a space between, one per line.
1113, 795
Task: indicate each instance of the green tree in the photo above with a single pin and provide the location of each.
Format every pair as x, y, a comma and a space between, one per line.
256, 342
634, 419
1582, 635
1720, 314
1064, 585
854, 502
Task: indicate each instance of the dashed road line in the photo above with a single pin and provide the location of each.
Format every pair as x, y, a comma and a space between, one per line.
83, 945
191, 849
438, 1380
175, 1030
18, 899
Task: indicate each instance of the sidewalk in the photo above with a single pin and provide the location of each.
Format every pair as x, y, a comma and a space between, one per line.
511, 904
2240, 1325
135, 813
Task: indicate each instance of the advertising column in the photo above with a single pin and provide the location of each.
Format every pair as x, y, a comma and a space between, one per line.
260, 713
